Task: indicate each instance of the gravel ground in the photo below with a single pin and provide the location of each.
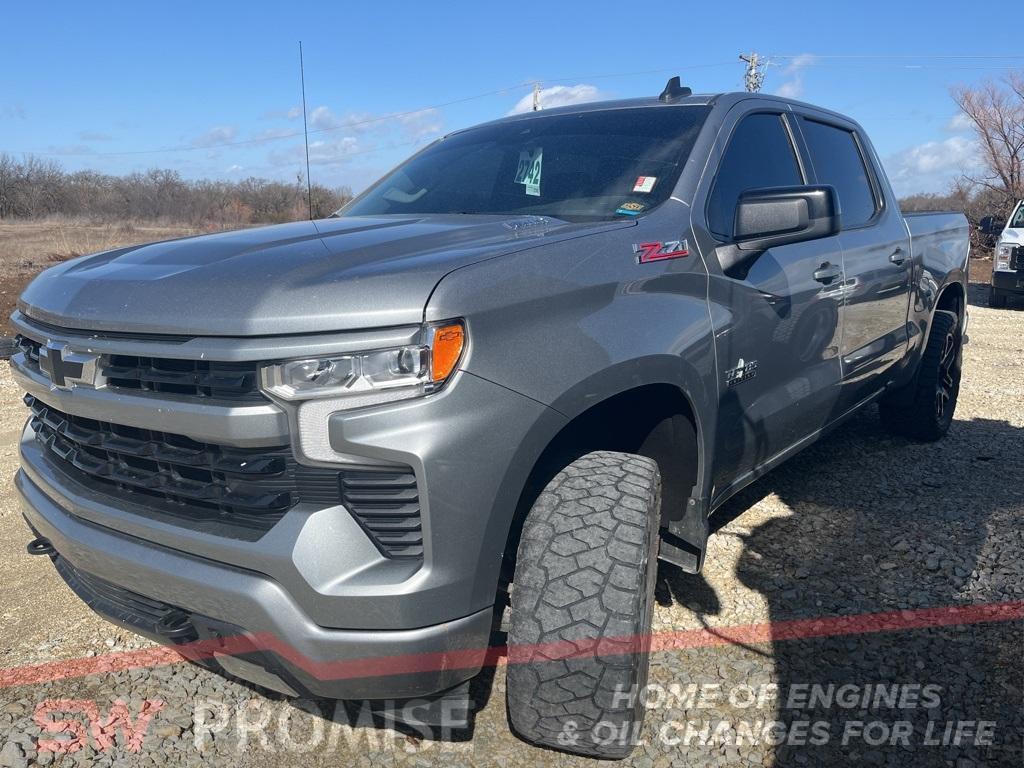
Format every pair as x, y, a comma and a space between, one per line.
860, 523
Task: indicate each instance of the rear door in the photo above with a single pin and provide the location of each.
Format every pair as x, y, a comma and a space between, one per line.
777, 327
876, 255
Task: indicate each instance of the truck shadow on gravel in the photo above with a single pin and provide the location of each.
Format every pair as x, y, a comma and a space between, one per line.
881, 524
977, 296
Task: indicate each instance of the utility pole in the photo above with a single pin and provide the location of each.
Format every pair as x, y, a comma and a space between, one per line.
536, 97
753, 78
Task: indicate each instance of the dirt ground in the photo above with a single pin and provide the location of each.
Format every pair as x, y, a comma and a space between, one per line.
860, 523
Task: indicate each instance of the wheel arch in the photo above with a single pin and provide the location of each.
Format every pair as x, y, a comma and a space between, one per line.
658, 418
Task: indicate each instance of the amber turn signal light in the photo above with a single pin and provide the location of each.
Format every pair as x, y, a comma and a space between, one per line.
446, 350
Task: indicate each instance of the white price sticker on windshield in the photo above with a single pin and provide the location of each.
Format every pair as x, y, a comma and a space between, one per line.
644, 183
528, 170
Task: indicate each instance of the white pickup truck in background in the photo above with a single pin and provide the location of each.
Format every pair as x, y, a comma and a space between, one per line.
1008, 256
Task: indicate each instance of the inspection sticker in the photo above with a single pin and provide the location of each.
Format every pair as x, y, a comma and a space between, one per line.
631, 208
644, 183
528, 170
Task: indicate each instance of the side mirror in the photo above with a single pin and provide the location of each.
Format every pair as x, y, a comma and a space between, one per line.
766, 218
990, 225
769, 217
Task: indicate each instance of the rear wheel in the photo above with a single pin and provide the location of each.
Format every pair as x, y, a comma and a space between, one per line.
924, 408
582, 600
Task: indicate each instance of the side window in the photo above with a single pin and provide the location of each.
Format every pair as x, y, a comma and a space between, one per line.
838, 161
759, 155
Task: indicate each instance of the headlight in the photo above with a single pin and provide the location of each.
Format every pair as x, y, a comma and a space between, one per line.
376, 376
1002, 257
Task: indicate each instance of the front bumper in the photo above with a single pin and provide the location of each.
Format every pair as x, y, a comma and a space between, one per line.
229, 602
315, 581
1008, 282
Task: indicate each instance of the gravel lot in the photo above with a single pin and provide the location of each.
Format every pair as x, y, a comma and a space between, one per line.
860, 523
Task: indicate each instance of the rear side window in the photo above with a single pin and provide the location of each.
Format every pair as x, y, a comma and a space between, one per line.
838, 161
760, 154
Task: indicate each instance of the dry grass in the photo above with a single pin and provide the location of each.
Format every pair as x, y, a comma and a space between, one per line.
27, 248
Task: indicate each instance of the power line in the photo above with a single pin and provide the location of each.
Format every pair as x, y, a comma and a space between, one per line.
814, 56
349, 124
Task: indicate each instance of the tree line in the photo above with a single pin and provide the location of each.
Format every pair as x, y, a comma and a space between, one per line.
33, 188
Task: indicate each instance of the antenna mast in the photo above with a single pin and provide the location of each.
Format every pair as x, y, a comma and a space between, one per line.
536, 97
305, 133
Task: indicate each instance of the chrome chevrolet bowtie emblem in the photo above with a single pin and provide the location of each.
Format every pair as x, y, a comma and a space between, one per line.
67, 369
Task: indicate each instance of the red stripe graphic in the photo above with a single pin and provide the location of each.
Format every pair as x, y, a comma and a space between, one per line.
795, 629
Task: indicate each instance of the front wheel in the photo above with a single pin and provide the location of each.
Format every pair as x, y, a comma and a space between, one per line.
923, 409
582, 599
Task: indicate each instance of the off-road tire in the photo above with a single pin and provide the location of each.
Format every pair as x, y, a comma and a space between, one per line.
582, 599
7, 347
923, 410
996, 300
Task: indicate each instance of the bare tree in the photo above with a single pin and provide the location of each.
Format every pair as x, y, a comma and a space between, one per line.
996, 112
31, 188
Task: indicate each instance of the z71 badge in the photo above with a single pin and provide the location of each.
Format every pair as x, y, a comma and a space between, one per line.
670, 249
743, 371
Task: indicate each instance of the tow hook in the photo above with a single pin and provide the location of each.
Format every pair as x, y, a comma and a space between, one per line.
40, 546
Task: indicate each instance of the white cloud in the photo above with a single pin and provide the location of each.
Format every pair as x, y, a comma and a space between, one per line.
216, 135
558, 96
321, 152
931, 166
793, 88
234, 168
334, 137
421, 124
959, 123
271, 134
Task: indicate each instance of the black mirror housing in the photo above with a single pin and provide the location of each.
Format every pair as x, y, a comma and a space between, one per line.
990, 225
780, 215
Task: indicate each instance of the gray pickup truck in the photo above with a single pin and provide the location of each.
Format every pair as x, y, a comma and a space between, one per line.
337, 458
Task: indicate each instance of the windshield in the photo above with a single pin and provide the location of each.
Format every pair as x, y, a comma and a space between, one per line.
1017, 220
583, 166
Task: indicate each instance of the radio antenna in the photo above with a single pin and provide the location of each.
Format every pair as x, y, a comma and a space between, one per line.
305, 133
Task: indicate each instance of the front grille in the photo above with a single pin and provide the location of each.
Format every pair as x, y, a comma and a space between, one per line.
1017, 258
234, 492
230, 491
207, 379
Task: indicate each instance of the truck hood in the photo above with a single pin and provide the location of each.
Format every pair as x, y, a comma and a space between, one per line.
1011, 236
305, 277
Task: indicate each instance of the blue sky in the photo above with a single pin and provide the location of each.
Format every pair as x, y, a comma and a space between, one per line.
102, 85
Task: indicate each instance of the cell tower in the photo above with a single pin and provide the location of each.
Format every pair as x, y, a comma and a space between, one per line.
753, 78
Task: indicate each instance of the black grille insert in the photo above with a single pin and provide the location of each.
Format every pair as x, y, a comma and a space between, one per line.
208, 379
1017, 258
387, 505
235, 492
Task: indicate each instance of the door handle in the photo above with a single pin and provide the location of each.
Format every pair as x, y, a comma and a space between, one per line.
826, 273
897, 257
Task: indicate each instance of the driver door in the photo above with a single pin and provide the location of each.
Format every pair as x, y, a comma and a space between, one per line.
777, 323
